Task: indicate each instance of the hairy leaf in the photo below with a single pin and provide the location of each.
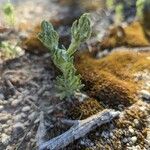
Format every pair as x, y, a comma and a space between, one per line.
68, 82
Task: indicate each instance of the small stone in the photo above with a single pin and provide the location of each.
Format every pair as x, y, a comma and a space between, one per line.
9, 147
29, 134
5, 139
32, 116
1, 96
136, 122
131, 130
37, 120
17, 117
1, 107
145, 94
26, 123
105, 134
9, 122
18, 128
4, 117
26, 108
125, 140
134, 139
8, 130
23, 115
5, 126
15, 102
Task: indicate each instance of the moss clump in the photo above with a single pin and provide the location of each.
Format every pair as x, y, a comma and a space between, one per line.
82, 110
111, 79
132, 36
32, 43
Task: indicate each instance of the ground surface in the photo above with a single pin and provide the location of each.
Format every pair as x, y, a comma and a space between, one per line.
27, 89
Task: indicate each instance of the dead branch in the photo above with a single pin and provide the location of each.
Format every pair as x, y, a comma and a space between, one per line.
79, 130
41, 132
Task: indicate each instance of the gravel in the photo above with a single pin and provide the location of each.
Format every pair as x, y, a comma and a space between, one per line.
26, 108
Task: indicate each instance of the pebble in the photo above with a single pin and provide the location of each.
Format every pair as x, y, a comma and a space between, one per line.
18, 128
105, 134
134, 139
5, 139
1, 96
26, 123
17, 117
8, 130
136, 122
3, 102
4, 126
125, 140
32, 116
145, 94
23, 115
15, 102
1, 107
9, 147
26, 108
4, 116
9, 122
37, 120
131, 130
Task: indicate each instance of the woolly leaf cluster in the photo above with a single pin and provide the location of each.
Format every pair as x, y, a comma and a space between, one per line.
68, 82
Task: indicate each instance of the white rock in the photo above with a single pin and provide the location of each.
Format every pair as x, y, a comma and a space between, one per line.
23, 115
15, 102
18, 125
1, 96
9, 122
134, 139
136, 122
4, 116
131, 130
17, 117
32, 116
5, 126
26, 108
145, 94
8, 130
1, 107
5, 139
9, 147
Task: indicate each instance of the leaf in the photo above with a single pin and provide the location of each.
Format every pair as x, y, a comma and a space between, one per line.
48, 36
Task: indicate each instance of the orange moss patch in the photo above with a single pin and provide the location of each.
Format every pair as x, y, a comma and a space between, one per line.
132, 35
84, 109
32, 43
111, 79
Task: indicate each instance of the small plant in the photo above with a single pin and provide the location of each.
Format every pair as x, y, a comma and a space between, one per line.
139, 8
9, 50
67, 83
9, 13
110, 4
118, 13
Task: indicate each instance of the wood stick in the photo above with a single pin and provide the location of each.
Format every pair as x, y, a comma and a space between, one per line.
79, 130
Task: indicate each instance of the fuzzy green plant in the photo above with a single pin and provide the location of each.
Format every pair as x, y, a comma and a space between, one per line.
139, 8
9, 50
110, 4
68, 82
118, 13
9, 13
